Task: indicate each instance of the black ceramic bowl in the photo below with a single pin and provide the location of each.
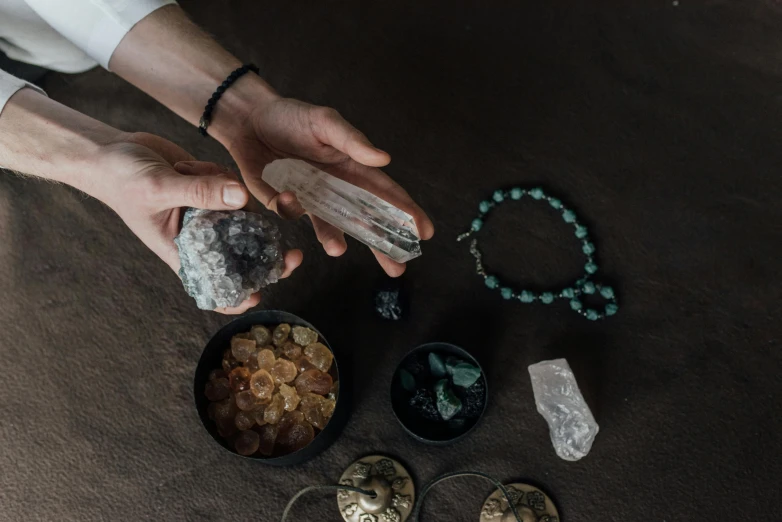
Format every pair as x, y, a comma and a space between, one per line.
212, 358
437, 433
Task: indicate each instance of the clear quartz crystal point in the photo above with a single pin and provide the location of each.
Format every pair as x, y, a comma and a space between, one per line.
358, 213
559, 401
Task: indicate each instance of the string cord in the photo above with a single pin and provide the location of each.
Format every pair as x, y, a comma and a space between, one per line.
419, 504
309, 489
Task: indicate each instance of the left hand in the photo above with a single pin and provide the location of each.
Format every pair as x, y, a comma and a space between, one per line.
286, 128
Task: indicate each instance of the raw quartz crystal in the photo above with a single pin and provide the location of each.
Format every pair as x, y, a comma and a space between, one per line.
559, 401
227, 256
358, 213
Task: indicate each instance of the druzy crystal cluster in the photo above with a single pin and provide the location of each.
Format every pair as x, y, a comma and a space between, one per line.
572, 427
227, 256
274, 392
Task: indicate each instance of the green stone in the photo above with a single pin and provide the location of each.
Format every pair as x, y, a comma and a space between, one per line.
465, 375
436, 365
408, 381
451, 363
448, 404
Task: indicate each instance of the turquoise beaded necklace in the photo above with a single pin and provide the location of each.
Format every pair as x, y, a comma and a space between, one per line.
583, 286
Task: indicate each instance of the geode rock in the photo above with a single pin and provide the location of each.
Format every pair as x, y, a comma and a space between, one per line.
227, 256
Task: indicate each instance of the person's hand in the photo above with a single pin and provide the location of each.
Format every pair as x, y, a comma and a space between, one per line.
151, 182
285, 128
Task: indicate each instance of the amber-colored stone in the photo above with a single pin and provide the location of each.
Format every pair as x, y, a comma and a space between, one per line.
289, 418
291, 351
304, 336
261, 334
296, 437
320, 356
266, 359
258, 415
291, 397
226, 427
225, 410
313, 381
304, 364
262, 385
247, 401
242, 349
268, 437
229, 361
217, 389
239, 379
334, 393
283, 371
281, 334
247, 443
244, 420
310, 406
217, 374
327, 408
274, 410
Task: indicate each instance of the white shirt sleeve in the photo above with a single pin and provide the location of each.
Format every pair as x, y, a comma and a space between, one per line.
9, 85
95, 26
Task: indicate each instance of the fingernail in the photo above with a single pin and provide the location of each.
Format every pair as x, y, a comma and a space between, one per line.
233, 195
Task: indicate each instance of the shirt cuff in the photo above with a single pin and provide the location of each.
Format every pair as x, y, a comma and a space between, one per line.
9, 85
95, 26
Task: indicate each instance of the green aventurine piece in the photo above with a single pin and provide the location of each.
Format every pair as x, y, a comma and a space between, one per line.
408, 381
450, 364
465, 375
448, 404
436, 365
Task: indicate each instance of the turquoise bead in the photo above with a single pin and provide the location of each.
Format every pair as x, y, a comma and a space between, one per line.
484, 206
581, 231
611, 309
555, 203
589, 288
575, 304
492, 282
607, 292
477, 223
569, 293
590, 268
516, 193
536, 193
498, 196
547, 297
569, 216
592, 315
527, 296
588, 248
507, 293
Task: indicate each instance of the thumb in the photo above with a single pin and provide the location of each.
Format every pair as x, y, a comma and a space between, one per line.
209, 189
332, 129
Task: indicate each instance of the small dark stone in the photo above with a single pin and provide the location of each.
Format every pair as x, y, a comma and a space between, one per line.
417, 365
388, 304
407, 380
423, 404
473, 399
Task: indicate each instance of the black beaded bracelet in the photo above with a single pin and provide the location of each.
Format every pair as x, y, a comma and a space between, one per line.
210, 105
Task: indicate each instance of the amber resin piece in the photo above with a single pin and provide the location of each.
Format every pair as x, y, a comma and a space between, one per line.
296, 437
217, 374
304, 364
291, 351
334, 391
304, 336
268, 437
262, 384
320, 356
273, 412
244, 420
258, 415
311, 407
314, 381
229, 361
290, 396
224, 413
266, 359
281, 334
217, 389
242, 349
327, 407
289, 418
283, 371
247, 443
239, 379
248, 401
261, 334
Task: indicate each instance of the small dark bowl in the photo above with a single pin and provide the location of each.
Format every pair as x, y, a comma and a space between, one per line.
436, 433
212, 358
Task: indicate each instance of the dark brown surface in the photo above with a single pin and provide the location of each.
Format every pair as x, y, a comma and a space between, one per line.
661, 124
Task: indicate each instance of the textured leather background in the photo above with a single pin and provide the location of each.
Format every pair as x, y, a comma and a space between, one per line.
660, 124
